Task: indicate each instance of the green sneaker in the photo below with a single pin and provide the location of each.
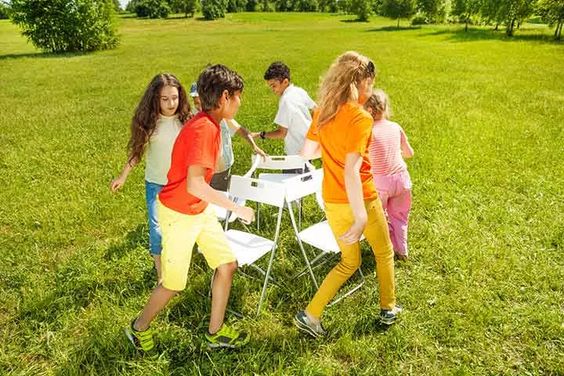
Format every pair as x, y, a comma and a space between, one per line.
143, 341
227, 337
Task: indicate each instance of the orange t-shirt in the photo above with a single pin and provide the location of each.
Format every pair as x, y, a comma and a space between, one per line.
196, 144
348, 132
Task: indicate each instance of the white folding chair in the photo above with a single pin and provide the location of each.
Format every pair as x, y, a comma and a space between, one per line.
319, 235
249, 247
277, 163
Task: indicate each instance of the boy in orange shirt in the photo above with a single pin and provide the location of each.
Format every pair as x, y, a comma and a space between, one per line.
340, 133
186, 218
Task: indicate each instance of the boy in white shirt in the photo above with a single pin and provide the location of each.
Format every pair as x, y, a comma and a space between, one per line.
294, 109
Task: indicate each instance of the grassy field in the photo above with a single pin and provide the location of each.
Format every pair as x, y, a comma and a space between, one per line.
483, 291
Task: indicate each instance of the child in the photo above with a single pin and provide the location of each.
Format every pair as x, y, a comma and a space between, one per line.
186, 218
389, 143
229, 128
155, 125
340, 133
293, 117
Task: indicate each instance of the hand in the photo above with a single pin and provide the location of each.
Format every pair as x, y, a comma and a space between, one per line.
260, 152
255, 134
117, 183
246, 214
354, 233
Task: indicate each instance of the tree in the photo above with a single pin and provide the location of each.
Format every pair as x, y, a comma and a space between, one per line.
234, 6
397, 9
552, 12
4, 11
188, 7
152, 8
214, 9
465, 9
433, 10
361, 8
66, 25
514, 12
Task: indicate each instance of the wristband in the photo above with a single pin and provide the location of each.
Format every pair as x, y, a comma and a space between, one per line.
262, 135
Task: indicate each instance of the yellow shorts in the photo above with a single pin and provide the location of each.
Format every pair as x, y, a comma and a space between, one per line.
179, 234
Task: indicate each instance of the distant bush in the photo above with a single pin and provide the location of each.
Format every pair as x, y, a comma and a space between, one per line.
419, 19
66, 25
214, 9
188, 7
152, 8
4, 11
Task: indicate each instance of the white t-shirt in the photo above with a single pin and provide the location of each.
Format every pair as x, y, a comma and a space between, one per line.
159, 149
293, 114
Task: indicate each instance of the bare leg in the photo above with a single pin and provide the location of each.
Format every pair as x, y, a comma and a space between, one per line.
157, 259
221, 287
157, 302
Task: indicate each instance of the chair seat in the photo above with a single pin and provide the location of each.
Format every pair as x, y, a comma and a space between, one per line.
321, 236
277, 178
248, 247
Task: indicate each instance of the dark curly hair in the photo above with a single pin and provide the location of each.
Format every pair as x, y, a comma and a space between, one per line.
213, 81
148, 110
277, 70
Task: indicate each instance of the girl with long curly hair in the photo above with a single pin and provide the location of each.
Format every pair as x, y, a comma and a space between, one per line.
340, 133
157, 120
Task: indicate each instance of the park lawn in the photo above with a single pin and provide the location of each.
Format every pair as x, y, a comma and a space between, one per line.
483, 291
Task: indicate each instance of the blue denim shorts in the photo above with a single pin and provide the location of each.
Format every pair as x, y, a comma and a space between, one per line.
151, 192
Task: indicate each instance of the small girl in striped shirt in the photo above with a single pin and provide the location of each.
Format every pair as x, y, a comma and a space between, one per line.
387, 147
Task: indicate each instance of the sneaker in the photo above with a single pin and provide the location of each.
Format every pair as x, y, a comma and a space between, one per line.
389, 316
306, 325
143, 341
227, 337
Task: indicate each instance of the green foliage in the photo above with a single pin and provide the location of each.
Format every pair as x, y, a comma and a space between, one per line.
330, 6
234, 6
398, 9
151, 8
362, 9
552, 12
188, 7
434, 10
117, 6
4, 11
214, 9
66, 25
465, 9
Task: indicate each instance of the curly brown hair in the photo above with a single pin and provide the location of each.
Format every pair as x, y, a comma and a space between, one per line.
148, 111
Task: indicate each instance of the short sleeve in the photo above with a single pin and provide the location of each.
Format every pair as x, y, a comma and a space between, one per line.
201, 151
309, 102
313, 131
233, 126
283, 116
360, 131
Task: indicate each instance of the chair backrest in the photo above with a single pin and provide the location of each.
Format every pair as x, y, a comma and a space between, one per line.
303, 185
277, 162
265, 192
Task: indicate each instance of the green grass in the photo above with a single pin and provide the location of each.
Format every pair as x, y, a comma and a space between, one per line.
483, 291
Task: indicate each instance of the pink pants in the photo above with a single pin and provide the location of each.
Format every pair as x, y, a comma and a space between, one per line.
395, 194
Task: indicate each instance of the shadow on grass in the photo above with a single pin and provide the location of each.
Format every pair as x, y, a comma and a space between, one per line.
460, 35
394, 28
43, 55
137, 237
354, 20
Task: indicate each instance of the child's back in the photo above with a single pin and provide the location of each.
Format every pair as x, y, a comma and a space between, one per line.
388, 141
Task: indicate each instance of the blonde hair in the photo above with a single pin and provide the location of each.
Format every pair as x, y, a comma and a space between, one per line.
379, 103
340, 83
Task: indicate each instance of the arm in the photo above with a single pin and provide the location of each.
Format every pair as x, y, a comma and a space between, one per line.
353, 186
197, 186
278, 134
118, 182
310, 150
248, 136
406, 149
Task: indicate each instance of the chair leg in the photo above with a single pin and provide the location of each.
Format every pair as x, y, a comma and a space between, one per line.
296, 231
351, 291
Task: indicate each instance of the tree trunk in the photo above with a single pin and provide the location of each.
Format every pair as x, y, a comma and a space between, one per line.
398, 22
466, 26
558, 31
510, 27
496, 27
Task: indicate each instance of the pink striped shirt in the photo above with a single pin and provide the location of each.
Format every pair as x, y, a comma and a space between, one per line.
387, 144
